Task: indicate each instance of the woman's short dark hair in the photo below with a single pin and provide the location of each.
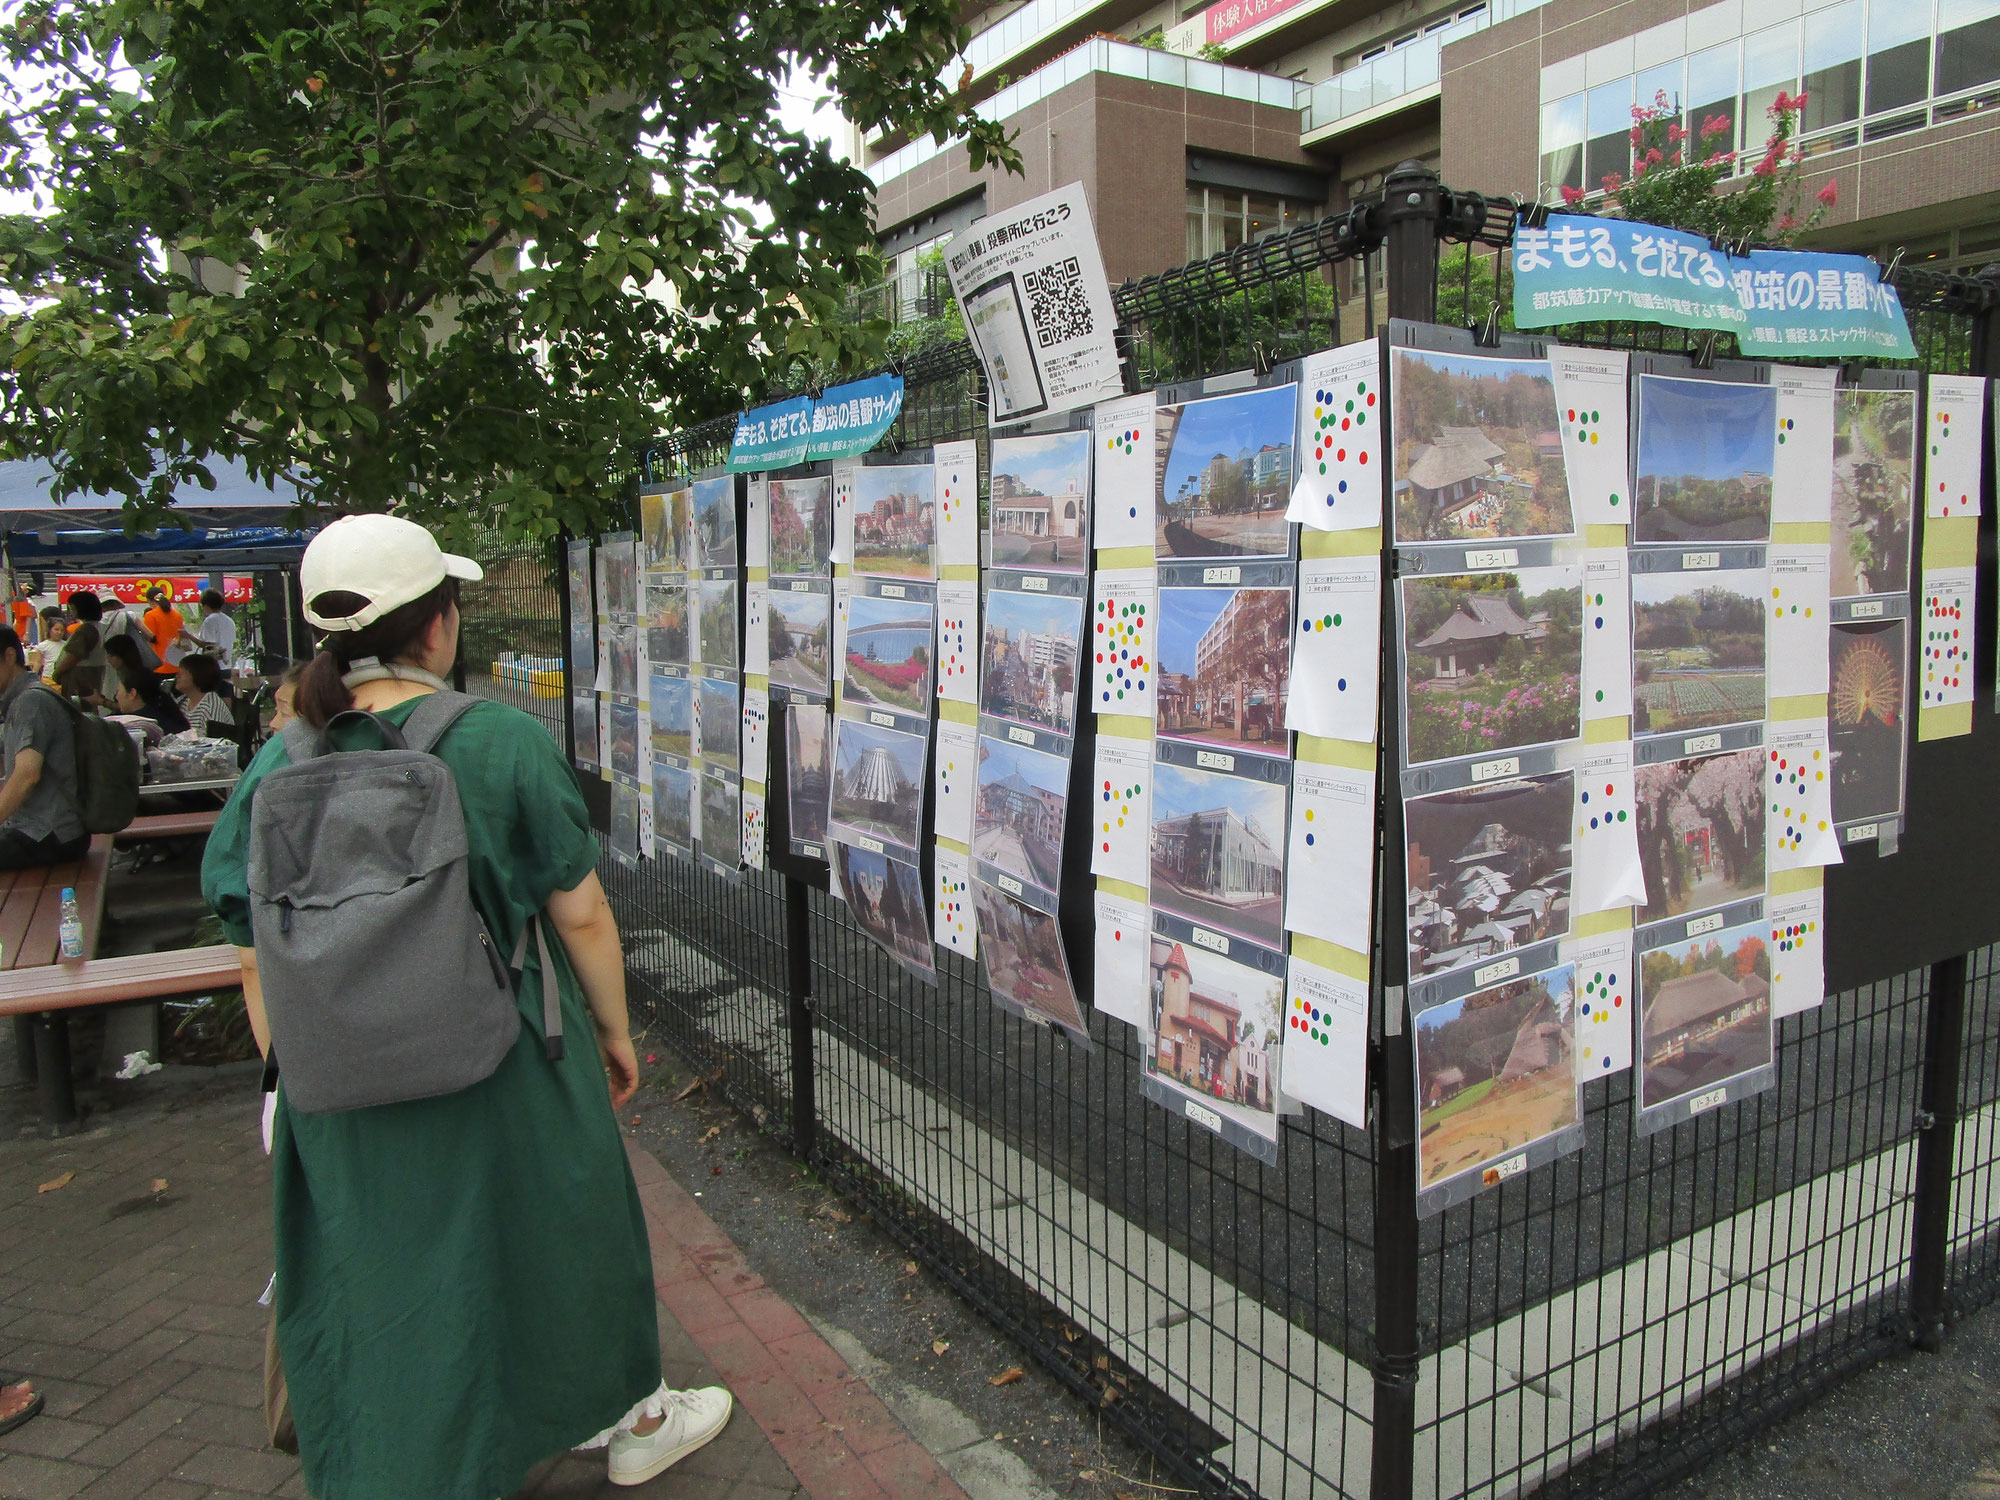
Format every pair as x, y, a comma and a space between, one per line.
205, 672
86, 606
52, 612
212, 599
123, 650
146, 684
320, 693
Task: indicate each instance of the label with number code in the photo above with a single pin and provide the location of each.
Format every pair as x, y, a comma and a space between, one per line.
1009, 884
1505, 968
1035, 585
1710, 923
1221, 575
1701, 744
1708, 1100
1497, 557
800, 586
1202, 1115
1214, 760
1862, 831
892, 590
1693, 561
1500, 1171
876, 716
1494, 770
1215, 942
1868, 609
873, 846
1020, 736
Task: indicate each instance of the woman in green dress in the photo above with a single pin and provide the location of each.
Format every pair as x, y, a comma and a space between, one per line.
464, 1284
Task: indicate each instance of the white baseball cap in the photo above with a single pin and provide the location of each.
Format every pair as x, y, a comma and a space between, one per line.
385, 559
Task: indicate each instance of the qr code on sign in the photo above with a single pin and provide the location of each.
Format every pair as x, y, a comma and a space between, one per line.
1057, 304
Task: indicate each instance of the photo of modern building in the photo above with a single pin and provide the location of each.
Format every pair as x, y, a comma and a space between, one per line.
1215, 1031
1218, 850
1040, 501
1229, 652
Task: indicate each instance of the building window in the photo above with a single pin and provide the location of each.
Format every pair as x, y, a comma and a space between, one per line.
1220, 219
1770, 67
1832, 76
1968, 49
1562, 144
1711, 88
1609, 152
1899, 64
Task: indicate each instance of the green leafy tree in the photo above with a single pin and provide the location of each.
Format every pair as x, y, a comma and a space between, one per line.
455, 258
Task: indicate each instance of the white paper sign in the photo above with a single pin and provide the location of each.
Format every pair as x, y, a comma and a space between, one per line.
1944, 630
1954, 444
1797, 641
954, 777
646, 827
757, 524
842, 550
1798, 952
1330, 890
1607, 634
958, 640
1798, 782
757, 628
1122, 617
1326, 1042
1342, 423
1591, 408
753, 829
1605, 1002
1604, 852
957, 504
843, 588
1030, 282
1802, 473
756, 734
1124, 935
1121, 810
1123, 488
1336, 655
953, 924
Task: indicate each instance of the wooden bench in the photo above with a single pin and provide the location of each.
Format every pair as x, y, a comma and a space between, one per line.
31, 940
115, 981
168, 825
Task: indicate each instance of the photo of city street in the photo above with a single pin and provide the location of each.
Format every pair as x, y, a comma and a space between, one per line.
1225, 664
1022, 950
1028, 658
1218, 850
800, 627
1018, 824
801, 526
808, 771
1225, 475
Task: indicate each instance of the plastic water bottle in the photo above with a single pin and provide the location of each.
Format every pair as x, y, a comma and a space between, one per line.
72, 925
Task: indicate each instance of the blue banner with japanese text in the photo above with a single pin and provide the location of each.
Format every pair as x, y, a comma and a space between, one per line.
1778, 303
772, 437
853, 418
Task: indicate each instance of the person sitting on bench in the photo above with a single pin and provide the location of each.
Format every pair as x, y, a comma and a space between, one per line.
39, 824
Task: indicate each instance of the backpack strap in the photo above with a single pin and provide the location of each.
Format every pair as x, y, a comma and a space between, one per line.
434, 714
552, 1031
304, 743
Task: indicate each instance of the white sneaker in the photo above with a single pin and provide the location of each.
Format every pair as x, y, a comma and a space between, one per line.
693, 1419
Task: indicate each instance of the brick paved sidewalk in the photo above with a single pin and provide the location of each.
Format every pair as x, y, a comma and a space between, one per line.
135, 1312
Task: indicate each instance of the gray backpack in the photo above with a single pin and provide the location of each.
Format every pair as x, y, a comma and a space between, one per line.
380, 979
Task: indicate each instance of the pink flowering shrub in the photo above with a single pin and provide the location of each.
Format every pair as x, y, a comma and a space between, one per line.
1485, 713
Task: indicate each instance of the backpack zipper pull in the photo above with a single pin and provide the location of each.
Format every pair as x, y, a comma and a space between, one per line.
285, 915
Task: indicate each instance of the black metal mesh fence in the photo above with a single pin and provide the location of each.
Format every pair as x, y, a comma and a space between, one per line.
1593, 1328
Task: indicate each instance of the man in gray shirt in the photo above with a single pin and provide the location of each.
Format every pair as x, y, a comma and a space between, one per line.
39, 824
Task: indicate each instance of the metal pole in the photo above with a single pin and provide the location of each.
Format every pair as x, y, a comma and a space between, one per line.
1937, 1135
52, 1075
1410, 212
798, 1011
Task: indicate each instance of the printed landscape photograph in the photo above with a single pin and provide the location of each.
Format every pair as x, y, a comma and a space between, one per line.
1704, 1012
895, 520
1492, 661
719, 629
715, 522
878, 782
670, 701
1218, 850
719, 718
800, 627
1705, 452
1478, 448
721, 822
1874, 490
888, 653
583, 723
1488, 869
673, 805
1039, 505
663, 530
1866, 708
1697, 649
808, 772
1225, 666
625, 660
1225, 475
1018, 815
1701, 831
801, 526
621, 578
1496, 1072
1215, 1032
1022, 950
1028, 658
624, 719
667, 622
887, 899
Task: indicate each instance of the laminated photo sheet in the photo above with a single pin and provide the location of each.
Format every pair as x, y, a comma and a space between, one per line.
1121, 810
1475, 455
957, 488
881, 768
1219, 823
1038, 501
957, 654
1802, 475
1122, 975
1954, 444
1799, 831
1124, 610
1704, 1034
1592, 405
1605, 847
1223, 656
1701, 812
1704, 447
1331, 855
1337, 650
1798, 952
1122, 434
1341, 424
580, 665
1213, 1044
1874, 490
954, 780
716, 541
953, 924
1604, 983
891, 521
1325, 1052
799, 523
891, 644
1868, 703
1607, 633
1498, 1092
675, 791
1699, 643
808, 775
1224, 476
1022, 953
1487, 871
1944, 634
799, 638
1801, 609
887, 900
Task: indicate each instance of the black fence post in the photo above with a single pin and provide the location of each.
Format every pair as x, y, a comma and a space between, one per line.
798, 1015
1937, 1135
1410, 207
